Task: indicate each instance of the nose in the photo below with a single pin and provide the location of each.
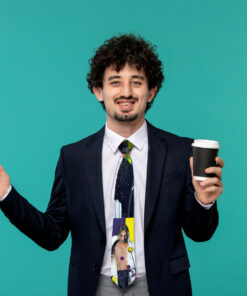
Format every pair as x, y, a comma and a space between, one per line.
126, 90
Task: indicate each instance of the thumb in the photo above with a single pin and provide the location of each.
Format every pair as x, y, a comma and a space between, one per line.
191, 165
2, 169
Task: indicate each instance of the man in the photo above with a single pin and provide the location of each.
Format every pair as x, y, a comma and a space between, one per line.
123, 257
129, 172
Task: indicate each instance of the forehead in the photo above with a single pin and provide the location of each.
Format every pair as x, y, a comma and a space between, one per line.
126, 71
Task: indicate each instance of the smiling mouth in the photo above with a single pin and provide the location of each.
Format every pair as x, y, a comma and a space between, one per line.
126, 105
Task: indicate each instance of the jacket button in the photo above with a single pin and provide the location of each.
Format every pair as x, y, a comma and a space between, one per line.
96, 269
102, 242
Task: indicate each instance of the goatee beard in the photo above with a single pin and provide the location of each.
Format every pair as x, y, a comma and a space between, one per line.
126, 117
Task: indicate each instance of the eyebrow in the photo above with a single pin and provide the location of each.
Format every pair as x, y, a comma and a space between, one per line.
118, 76
138, 77
113, 77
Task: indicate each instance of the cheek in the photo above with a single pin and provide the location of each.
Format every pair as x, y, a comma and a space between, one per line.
144, 100
109, 95
143, 94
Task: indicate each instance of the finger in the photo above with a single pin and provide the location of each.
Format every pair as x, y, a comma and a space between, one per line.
214, 170
213, 189
2, 171
211, 181
219, 161
191, 164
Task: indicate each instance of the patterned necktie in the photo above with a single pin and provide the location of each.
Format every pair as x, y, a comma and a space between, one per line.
123, 267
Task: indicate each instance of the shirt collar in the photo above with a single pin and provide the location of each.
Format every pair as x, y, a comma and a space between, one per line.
138, 139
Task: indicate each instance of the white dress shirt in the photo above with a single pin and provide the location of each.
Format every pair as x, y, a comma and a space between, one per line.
7, 193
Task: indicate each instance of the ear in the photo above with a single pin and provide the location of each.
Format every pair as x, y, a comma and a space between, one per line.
151, 93
98, 93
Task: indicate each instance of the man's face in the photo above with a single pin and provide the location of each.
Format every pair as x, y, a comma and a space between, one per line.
122, 236
125, 93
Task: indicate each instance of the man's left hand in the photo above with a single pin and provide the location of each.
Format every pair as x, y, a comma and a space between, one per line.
209, 190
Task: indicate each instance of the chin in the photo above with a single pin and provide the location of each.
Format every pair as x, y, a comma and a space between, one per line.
126, 117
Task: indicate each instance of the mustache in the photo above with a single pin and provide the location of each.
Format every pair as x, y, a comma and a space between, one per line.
125, 98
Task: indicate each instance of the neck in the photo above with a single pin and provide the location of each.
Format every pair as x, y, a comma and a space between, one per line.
125, 129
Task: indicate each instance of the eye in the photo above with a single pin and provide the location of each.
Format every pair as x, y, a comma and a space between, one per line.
137, 83
115, 82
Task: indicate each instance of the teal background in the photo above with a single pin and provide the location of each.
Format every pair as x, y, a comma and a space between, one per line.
45, 103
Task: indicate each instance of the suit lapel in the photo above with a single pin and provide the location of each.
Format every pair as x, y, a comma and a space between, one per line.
93, 164
157, 152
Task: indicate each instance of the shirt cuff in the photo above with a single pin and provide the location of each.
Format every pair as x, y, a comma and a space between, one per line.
9, 189
207, 207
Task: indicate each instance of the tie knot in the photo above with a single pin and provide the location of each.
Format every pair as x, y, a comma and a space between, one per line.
125, 147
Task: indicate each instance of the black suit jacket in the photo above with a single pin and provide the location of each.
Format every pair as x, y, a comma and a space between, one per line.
77, 205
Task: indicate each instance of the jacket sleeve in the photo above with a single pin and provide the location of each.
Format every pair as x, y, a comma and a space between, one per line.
50, 229
198, 223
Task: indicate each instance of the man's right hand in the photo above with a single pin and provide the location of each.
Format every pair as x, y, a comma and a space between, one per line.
4, 182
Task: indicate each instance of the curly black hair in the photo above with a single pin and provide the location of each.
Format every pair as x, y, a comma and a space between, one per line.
126, 49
